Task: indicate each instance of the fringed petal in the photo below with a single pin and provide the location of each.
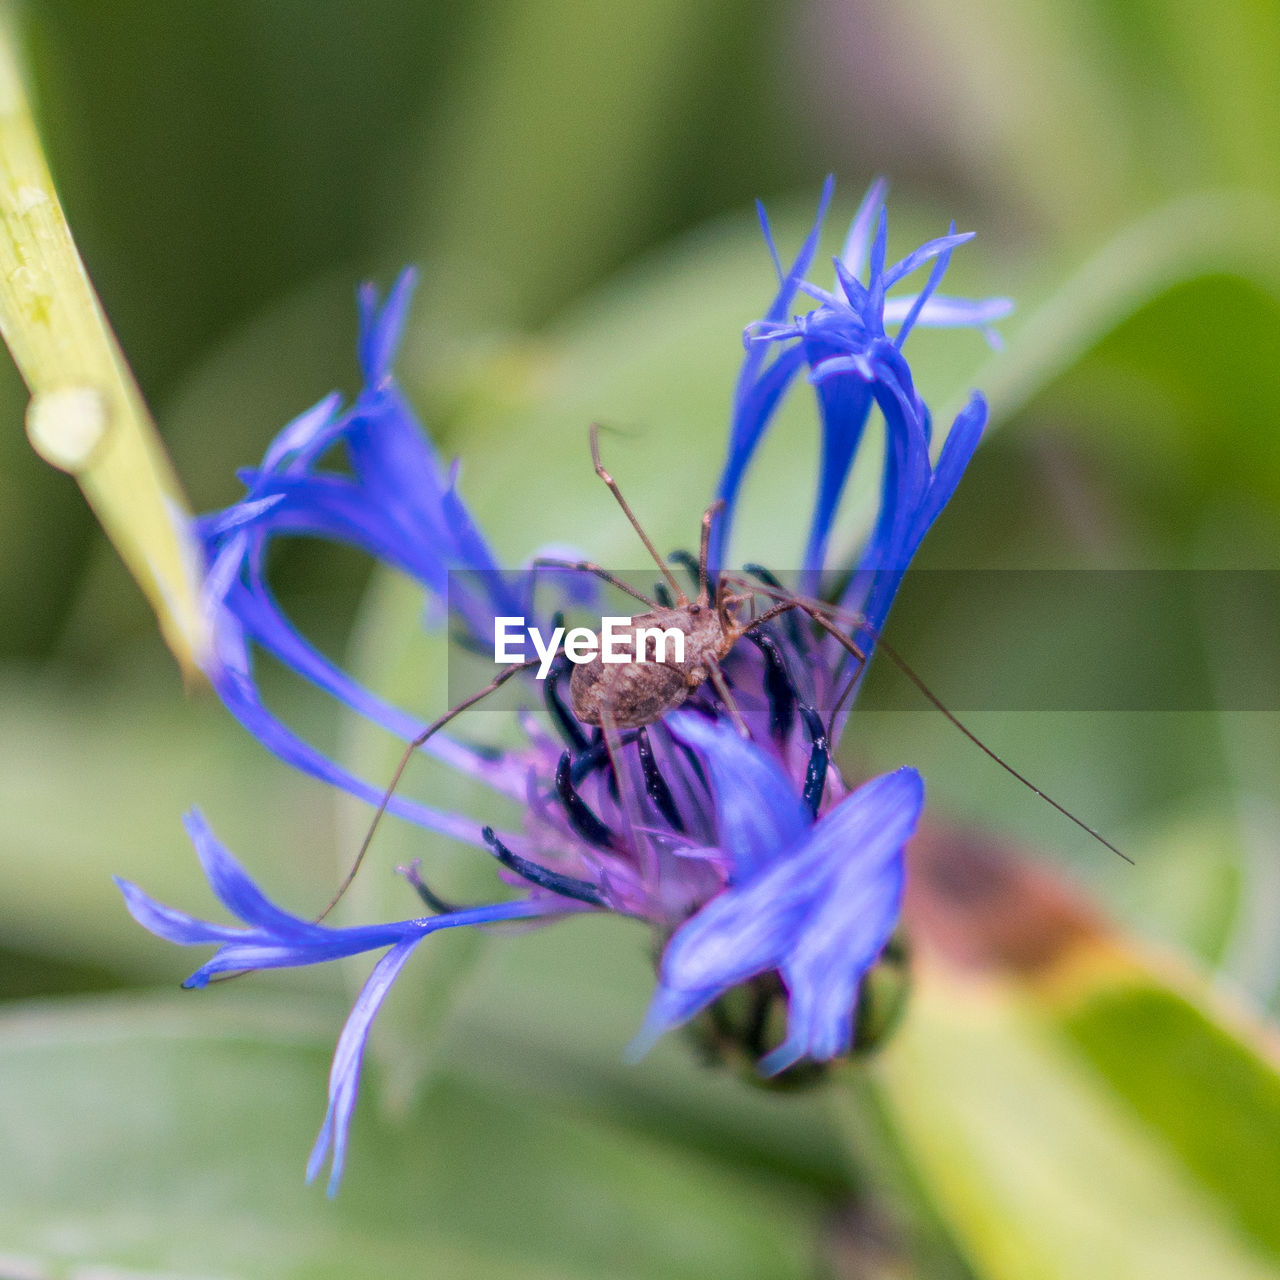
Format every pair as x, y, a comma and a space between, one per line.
824, 903
758, 813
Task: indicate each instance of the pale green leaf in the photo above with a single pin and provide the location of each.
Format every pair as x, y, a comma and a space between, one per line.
1076, 1107
154, 1135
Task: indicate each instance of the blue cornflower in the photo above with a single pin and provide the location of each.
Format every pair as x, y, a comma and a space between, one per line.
747, 853
853, 364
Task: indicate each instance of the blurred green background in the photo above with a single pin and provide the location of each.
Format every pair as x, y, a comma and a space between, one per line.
575, 182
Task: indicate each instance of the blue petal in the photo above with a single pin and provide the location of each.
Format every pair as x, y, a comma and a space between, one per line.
857, 364
221, 525
344, 1075
380, 330
277, 939
918, 257
758, 814
252, 607
394, 503
854, 253
796, 915
305, 436
170, 924
757, 394
856, 296
876, 282
230, 882
822, 983
864, 837
844, 342
844, 405
943, 312
232, 679
938, 270
762, 216
957, 449
308, 943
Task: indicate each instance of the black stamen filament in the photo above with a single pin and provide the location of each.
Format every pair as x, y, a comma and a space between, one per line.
689, 563
662, 594
656, 785
596, 756
815, 777
777, 685
441, 906
600, 744
691, 757
581, 817
565, 886
791, 621
565, 721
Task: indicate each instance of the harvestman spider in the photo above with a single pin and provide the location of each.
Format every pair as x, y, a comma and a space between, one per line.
631, 695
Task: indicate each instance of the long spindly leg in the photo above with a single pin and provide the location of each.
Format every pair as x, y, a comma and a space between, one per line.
681, 598
859, 658
721, 686
769, 614
824, 614
416, 744
586, 566
630, 812
794, 599
849, 686
820, 612
816, 614
807, 604
704, 552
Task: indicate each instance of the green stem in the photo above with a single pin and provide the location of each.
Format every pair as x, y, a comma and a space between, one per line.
86, 414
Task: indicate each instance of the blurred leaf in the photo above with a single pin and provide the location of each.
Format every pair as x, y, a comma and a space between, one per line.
23, 976
1157, 360
473, 1184
1077, 1108
93, 781
1147, 100
563, 143
549, 1014
212, 166
1061, 318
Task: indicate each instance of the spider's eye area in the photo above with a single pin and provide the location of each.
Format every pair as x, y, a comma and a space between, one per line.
695, 608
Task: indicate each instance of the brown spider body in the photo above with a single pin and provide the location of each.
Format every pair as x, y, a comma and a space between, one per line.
639, 692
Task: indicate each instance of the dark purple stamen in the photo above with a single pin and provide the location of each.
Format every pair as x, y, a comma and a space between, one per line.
599, 751
565, 886
689, 563
441, 906
597, 756
656, 785
792, 623
581, 816
565, 721
777, 685
691, 758
815, 777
